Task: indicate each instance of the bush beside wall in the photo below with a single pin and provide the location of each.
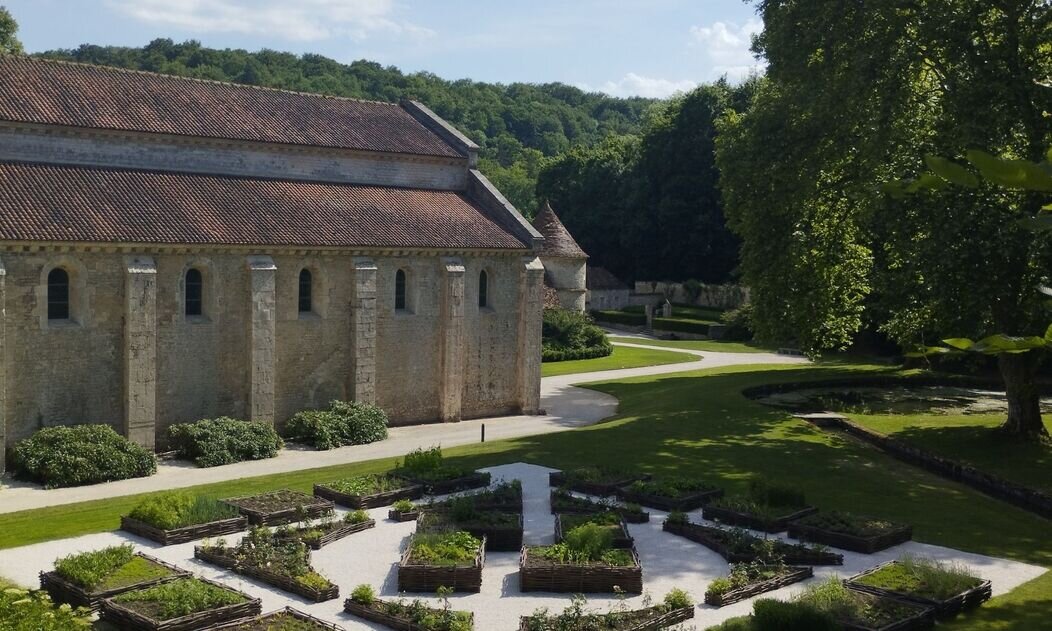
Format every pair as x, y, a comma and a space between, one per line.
81, 454
621, 317
344, 423
214, 442
568, 335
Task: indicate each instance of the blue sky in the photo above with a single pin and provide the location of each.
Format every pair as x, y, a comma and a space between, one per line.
622, 47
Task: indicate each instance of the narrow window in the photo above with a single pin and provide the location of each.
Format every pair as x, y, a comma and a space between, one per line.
483, 289
305, 291
58, 294
194, 290
400, 290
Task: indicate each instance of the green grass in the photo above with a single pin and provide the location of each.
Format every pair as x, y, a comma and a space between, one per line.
697, 424
698, 345
622, 357
968, 439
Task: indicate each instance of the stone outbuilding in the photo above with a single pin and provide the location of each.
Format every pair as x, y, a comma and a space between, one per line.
174, 249
606, 291
564, 261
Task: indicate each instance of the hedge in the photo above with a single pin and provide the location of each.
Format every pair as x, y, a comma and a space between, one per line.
80, 454
682, 326
214, 442
570, 335
621, 317
344, 423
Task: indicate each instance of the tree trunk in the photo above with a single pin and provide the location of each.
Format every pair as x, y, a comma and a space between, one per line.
1024, 402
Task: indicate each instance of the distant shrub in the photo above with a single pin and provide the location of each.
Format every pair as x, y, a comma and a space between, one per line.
776, 615
81, 454
364, 594
22, 610
570, 335
681, 326
738, 323
223, 440
621, 317
344, 423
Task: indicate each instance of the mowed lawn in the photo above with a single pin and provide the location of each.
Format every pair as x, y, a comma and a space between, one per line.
622, 357
698, 424
698, 345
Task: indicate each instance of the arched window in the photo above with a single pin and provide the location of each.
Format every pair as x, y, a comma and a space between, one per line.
400, 290
58, 294
194, 292
483, 289
306, 304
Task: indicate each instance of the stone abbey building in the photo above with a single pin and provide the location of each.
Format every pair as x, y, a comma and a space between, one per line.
174, 249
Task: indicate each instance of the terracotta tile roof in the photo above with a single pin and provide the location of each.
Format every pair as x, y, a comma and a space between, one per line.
100, 205
557, 239
599, 278
80, 95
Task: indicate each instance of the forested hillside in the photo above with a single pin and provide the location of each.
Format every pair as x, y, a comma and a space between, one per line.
517, 125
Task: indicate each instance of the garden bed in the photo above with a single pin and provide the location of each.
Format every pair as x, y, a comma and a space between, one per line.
649, 619
501, 531
428, 468
755, 583
143, 609
850, 532
287, 619
458, 481
608, 520
369, 491
317, 536
178, 517
889, 579
563, 502
540, 574
280, 507
860, 611
593, 480
776, 521
670, 494
172, 536
742, 547
422, 570
505, 497
138, 572
396, 616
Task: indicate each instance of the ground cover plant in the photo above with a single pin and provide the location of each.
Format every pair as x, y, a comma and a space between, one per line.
109, 568
344, 423
740, 546
767, 506
224, 440
427, 467
671, 492
80, 454
676, 607
399, 614
316, 534
180, 598
25, 610
562, 501
568, 335
621, 357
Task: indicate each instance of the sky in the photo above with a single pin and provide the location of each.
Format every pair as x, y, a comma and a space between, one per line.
650, 48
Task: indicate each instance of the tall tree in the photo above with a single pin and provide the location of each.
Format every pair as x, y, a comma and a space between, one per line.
9, 43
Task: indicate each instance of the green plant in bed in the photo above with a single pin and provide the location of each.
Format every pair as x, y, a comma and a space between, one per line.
178, 598
765, 499
279, 554
427, 465
168, 511
849, 524
926, 578
369, 484
444, 548
670, 487
403, 506
108, 568
844, 605
586, 544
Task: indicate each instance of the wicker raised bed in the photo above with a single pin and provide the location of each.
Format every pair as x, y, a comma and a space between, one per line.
621, 540
791, 575
376, 500
264, 622
125, 618
755, 522
338, 531
845, 541
473, 480
397, 515
715, 540
167, 537
651, 619
414, 577
480, 503
63, 591
920, 617
290, 507
943, 608
373, 614
682, 503
561, 503
280, 581
498, 538
537, 574
602, 489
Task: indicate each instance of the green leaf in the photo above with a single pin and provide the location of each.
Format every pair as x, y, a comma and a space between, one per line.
1041, 223
1001, 343
1048, 156
1018, 174
927, 182
951, 171
925, 351
960, 343
1046, 208
896, 189
1048, 333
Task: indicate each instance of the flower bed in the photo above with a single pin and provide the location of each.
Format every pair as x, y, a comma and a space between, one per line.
594, 480
501, 531
670, 494
452, 559
505, 496
850, 532
563, 502
750, 579
738, 546
415, 616
608, 520
187, 604
84, 580
368, 491
859, 611
948, 590
318, 535
280, 507
287, 619
427, 468
649, 619
539, 573
283, 563
172, 518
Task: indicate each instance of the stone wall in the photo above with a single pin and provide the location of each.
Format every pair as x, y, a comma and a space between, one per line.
568, 278
716, 296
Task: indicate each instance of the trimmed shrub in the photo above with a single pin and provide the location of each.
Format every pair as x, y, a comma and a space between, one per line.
80, 454
214, 442
775, 615
571, 335
738, 323
681, 326
621, 317
344, 423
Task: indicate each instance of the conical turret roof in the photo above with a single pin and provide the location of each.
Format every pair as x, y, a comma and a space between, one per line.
557, 239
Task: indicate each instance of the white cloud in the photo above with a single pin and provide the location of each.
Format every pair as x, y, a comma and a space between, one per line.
633, 84
302, 20
726, 45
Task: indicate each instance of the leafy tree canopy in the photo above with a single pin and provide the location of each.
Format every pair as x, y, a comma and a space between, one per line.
9, 43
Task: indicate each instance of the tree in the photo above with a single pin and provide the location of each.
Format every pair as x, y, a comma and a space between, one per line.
855, 96
9, 43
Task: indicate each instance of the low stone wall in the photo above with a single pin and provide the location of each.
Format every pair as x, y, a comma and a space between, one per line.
715, 296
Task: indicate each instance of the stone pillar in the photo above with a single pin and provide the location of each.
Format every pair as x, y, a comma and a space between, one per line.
262, 271
451, 371
140, 350
531, 308
3, 367
363, 331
